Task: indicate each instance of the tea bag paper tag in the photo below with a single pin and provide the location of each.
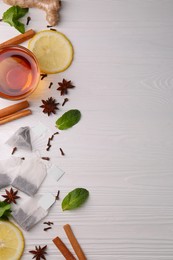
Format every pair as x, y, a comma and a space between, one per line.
46, 201
55, 172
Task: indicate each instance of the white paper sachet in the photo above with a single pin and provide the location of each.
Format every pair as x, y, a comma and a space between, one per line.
8, 170
28, 139
31, 175
21, 139
32, 211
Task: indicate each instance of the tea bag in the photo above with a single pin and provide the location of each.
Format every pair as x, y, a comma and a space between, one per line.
31, 175
32, 211
8, 170
21, 139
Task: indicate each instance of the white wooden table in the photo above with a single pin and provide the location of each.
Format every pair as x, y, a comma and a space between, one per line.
122, 149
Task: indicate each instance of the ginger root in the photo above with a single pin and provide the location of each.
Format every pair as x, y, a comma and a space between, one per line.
51, 7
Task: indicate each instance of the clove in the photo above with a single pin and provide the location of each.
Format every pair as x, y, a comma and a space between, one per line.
14, 150
28, 20
62, 152
57, 196
45, 158
45, 229
43, 76
51, 83
65, 101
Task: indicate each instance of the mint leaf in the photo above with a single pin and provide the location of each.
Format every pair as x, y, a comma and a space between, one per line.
5, 210
68, 119
12, 15
75, 199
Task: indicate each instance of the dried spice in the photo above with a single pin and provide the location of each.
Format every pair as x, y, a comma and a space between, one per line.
64, 86
62, 152
28, 20
51, 83
48, 143
45, 158
45, 229
48, 148
65, 101
11, 196
14, 150
53, 29
57, 196
39, 252
50, 139
43, 76
49, 106
48, 223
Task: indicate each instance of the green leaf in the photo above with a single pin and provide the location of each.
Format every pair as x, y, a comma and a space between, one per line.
75, 199
12, 15
68, 119
5, 210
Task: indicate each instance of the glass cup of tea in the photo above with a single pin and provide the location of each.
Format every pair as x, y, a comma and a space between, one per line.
19, 72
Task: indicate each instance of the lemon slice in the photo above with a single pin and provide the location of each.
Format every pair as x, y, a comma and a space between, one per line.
11, 241
53, 51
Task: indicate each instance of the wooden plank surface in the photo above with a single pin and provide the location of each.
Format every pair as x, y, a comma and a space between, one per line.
122, 149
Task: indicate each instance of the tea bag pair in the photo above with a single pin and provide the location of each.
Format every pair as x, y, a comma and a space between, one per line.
33, 210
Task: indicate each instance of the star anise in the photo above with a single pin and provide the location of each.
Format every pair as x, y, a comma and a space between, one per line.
49, 106
64, 86
39, 253
11, 196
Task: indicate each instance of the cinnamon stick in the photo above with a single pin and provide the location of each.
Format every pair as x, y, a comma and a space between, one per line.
63, 249
77, 248
19, 38
13, 109
15, 116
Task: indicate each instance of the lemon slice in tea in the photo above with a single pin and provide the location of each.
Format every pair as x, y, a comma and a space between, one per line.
11, 241
53, 51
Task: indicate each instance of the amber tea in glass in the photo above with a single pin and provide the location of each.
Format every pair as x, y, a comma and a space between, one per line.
19, 72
